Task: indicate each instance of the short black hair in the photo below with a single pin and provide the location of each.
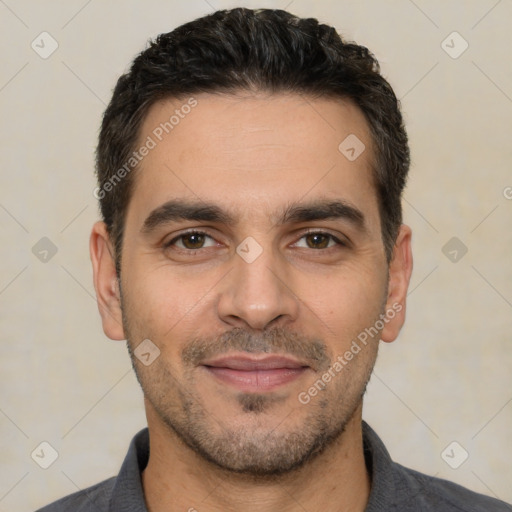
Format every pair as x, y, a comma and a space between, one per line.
241, 49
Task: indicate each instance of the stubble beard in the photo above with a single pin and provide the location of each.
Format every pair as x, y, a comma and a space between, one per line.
262, 450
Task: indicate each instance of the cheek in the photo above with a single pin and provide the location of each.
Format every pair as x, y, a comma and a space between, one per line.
349, 297
165, 303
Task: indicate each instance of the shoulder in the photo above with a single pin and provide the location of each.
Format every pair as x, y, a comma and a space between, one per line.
93, 499
116, 492
395, 487
423, 492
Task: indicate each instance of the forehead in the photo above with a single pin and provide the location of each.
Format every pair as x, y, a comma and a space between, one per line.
247, 151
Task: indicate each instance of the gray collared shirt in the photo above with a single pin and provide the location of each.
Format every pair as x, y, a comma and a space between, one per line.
394, 487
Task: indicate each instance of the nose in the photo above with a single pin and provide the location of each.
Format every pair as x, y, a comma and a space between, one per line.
258, 293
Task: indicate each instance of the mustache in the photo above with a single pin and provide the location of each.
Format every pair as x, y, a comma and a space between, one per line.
311, 351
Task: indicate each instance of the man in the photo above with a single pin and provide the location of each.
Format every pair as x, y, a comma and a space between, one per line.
252, 254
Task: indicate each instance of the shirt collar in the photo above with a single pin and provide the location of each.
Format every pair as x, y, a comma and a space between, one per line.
127, 494
382, 471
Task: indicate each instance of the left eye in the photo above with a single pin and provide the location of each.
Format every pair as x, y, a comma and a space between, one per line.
321, 239
194, 240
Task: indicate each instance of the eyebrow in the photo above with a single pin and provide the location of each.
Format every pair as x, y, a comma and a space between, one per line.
321, 209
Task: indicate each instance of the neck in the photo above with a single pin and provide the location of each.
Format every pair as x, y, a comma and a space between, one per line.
177, 479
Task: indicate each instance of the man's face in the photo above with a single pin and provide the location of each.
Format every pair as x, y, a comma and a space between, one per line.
220, 305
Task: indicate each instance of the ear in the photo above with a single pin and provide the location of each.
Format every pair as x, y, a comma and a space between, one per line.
400, 269
105, 281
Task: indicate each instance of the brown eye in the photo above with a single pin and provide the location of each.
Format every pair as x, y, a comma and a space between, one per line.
321, 240
192, 240
318, 240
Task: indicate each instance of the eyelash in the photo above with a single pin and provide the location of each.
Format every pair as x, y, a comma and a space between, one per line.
199, 232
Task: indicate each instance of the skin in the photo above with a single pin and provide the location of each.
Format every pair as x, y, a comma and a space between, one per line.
214, 447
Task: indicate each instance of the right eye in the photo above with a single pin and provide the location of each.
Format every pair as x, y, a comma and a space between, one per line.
190, 240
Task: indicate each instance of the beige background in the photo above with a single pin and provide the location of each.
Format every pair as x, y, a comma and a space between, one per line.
448, 376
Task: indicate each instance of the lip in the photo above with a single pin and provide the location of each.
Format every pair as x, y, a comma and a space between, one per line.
248, 363
255, 374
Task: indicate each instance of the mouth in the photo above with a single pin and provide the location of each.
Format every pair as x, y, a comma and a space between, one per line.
255, 374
